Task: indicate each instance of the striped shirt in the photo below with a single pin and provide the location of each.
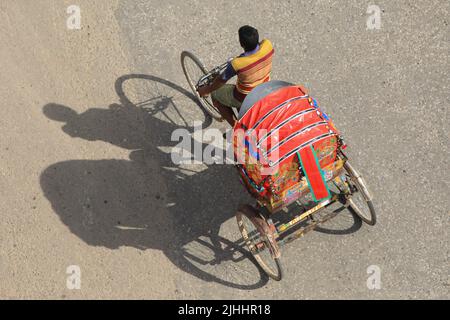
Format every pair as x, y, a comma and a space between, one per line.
252, 68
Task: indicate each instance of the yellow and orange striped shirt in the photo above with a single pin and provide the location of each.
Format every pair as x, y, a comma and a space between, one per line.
253, 69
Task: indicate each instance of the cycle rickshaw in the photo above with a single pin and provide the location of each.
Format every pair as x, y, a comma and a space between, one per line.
288, 153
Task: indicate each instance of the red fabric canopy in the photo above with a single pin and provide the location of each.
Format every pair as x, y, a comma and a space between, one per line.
282, 126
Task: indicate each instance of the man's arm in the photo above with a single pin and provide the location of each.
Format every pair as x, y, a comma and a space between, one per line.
219, 81
216, 84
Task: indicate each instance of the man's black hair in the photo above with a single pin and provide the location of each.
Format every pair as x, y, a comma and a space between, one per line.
248, 37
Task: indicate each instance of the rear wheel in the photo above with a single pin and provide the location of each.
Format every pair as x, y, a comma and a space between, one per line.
260, 240
194, 69
360, 199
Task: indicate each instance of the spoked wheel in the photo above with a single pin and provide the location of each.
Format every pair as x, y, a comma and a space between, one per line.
194, 69
260, 240
360, 200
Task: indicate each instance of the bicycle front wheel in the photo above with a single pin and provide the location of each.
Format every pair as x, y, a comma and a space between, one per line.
194, 69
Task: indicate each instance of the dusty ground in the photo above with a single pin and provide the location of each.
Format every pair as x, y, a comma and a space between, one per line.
86, 176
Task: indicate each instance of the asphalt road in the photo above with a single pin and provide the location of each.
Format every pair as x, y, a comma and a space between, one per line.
86, 176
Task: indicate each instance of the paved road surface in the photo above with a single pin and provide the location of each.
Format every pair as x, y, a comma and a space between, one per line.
86, 176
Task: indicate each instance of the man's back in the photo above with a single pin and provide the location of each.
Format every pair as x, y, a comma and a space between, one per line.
253, 69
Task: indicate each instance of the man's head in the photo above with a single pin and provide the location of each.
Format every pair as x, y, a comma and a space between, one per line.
248, 37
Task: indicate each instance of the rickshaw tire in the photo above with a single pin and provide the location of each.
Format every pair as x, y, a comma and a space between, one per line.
361, 187
372, 221
373, 218
262, 226
205, 105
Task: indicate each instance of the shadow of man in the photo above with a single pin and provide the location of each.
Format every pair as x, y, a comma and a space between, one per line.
146, 202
